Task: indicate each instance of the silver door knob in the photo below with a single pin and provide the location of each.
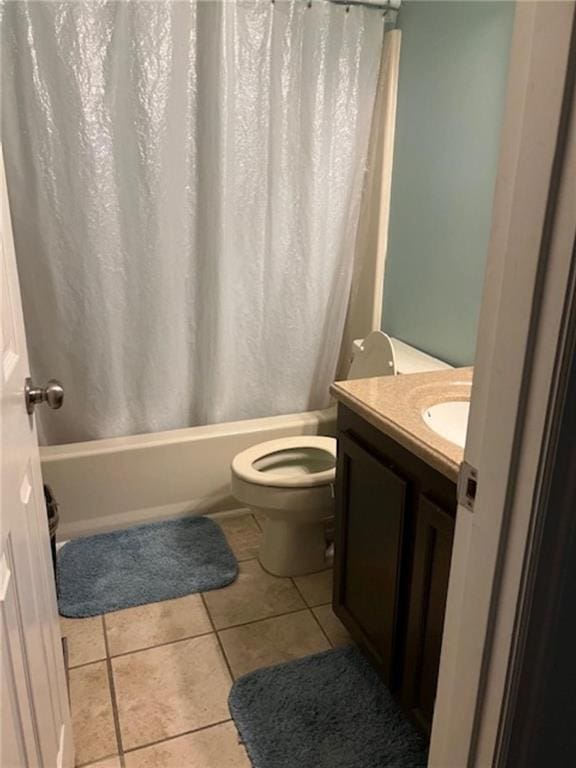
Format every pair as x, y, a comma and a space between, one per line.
52, 394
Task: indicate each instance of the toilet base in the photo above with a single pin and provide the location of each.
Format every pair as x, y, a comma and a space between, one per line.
293, 549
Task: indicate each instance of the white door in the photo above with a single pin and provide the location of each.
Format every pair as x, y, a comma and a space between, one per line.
35, 716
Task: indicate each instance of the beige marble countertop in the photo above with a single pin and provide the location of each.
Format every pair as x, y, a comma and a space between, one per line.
394, 405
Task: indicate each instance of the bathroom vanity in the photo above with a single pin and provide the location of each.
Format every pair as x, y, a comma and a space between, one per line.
395, 515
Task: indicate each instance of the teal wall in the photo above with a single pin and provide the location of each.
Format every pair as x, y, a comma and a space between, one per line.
453, 68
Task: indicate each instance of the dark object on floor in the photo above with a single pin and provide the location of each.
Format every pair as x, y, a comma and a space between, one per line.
330, 710
142, 565
53, 518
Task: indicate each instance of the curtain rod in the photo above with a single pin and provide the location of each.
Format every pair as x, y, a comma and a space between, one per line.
381, 5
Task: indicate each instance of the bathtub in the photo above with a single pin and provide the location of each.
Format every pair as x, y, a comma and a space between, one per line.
103, 485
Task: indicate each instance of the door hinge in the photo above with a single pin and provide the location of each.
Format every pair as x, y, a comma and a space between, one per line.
467, 485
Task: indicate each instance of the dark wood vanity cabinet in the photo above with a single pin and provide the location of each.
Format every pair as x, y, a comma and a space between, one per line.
369, 550
393, 545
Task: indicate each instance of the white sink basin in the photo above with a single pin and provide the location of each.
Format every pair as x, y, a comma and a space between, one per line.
449, 420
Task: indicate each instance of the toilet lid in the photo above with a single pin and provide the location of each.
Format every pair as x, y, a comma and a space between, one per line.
290, 462
374, 358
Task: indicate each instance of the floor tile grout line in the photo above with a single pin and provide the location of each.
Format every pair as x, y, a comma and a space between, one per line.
115, 713
87, 663
177, 736
98, 760
306, 603
255, 519
265, 618
212, 631
226, 661
218, 640
159, 741
314, 617
317, 620
150, 647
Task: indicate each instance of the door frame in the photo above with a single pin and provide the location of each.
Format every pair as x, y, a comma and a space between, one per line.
528, 296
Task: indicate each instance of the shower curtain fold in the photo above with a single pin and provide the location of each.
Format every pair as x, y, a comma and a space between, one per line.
185, 182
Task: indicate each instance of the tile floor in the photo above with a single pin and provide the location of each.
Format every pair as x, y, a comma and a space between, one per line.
149, 685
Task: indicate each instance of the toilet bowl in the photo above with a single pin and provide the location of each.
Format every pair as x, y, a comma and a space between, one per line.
291, 481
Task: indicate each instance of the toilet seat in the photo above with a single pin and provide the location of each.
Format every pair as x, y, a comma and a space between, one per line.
290, 482
315, 466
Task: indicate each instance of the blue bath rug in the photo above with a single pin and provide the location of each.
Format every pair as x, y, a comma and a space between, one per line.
330, 710
141, 565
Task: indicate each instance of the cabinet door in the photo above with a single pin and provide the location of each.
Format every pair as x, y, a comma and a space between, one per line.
429, 587
368, 551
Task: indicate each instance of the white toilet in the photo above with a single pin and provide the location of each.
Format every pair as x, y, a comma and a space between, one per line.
291, 481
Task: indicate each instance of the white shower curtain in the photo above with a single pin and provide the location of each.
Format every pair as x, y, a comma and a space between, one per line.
185, 180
